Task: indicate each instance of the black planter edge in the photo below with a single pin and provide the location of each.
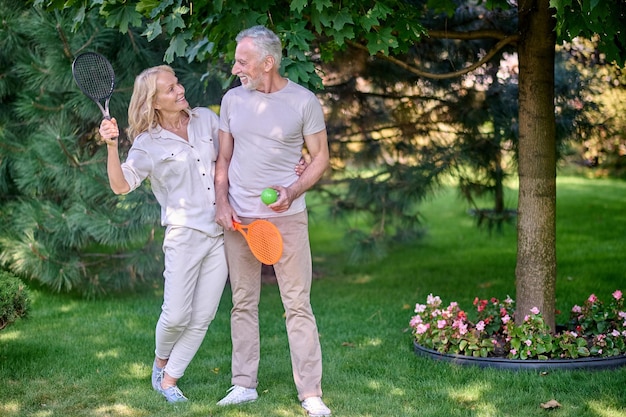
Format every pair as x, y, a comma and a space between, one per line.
609, 362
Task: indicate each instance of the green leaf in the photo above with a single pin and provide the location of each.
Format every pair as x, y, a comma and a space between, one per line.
297, 35
320, 5
341, 19
177, 47
320, 21
298, 5
339, 36
79, 18
122, 16
368, 21
153, 30
381, 42
199, 50
463, 345
174, 21
515, 344
154, 8
146, 7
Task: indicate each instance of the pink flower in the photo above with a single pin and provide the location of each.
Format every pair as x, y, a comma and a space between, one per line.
528, 342
513, 351
508, 300
420, 308
415, 320
422, 328
577, 309
617, 295
622, 314
592, 298
615, 333
433, 300
441, 324
526, 318
534, 310
506, 319
480, 326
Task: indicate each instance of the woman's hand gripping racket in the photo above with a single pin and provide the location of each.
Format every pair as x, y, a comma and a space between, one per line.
95, 77
264, 240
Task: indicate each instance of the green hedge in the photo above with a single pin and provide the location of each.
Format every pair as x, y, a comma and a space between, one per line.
14, 299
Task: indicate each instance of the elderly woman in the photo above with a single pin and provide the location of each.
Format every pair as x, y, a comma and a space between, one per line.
175, 147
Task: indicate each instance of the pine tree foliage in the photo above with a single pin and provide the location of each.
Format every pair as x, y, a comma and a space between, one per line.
60, 223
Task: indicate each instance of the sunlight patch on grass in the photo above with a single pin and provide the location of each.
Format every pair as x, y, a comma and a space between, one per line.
602, 410
374, 385
67, 308
374, 342
9, 409
362, 279
138, 370
111, 353
472, 397
10, 335
468, 394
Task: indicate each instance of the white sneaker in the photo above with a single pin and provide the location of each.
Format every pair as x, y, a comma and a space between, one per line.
239, 395
315, 407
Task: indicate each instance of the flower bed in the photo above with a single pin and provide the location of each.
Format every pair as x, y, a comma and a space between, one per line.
595, 329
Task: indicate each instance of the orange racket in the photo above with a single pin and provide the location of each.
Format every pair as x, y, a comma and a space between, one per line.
264, 240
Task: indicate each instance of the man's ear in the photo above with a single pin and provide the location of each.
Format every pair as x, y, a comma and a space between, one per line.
268, 63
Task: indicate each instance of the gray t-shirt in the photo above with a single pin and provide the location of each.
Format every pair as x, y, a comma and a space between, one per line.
268, 134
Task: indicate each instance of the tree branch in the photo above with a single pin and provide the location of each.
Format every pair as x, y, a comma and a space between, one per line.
505, 40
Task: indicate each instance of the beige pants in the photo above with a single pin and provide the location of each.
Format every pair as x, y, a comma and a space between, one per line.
195, 276
294, 274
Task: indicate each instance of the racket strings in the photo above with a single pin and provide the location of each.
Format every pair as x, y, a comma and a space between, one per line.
265, 242
94, 75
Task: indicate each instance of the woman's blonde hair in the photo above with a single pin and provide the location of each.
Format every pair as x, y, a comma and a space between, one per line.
142, 116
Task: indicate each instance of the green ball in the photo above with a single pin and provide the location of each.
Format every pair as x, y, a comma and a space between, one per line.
269, 196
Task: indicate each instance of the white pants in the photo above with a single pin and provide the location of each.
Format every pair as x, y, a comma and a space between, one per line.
195, 275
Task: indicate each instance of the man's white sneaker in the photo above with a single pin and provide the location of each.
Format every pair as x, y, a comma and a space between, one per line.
315, 407
239, 395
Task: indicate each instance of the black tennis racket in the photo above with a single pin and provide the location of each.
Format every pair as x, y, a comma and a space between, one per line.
95, 77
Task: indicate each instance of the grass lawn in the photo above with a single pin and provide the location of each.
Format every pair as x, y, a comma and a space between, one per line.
78, 358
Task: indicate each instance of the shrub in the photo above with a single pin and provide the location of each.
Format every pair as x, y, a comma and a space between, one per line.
14, 299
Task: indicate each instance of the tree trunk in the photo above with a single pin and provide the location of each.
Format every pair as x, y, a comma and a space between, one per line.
536, 236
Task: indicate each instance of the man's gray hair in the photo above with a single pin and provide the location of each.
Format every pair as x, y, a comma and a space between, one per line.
265, 40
